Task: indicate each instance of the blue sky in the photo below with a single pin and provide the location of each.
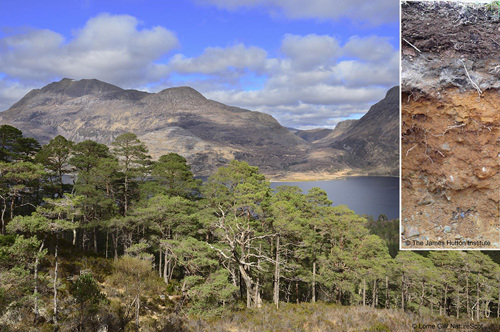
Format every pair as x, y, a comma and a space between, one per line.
308, 63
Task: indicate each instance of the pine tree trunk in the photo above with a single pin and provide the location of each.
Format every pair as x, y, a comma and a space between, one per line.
387, 292
297, 291
432, 301
95, 240
445, 300
403, 292
276, 293
114, 239
55, 280
477, 297
249, 298
314, 284
35, 292
159, 262
421, 298
257, 294
364, 292
165, 268
84, 239
107, 243
74, 237
249, 288
137, 309
374, 293
125, 200
12, 206
240, 284
467, 295
3, 214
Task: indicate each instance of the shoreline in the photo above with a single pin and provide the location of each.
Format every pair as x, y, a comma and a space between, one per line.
320, 176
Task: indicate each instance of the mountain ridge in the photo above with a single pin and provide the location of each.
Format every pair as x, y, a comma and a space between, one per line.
178, 119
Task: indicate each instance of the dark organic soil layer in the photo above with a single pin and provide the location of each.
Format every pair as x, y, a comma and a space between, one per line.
451, 28
449, 44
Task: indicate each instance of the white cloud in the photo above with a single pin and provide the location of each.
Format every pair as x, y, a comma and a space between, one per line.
319, 94
305, 116
309, 83
109, 48
311, 50
374, 12
11, 92
313, 81
218, 60
355, 73
373, 48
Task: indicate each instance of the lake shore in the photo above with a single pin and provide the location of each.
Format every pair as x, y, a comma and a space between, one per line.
320, 176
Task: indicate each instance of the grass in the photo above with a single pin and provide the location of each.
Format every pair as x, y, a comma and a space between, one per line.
319, 317
306, 317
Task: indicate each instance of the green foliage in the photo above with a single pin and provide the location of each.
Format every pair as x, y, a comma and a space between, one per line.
172, 176
134, 277
15, 147
19, 182
130, 150
55, 157
132, 160
87, 154
206, 251
494, 6
88, 297
235, 185
386, 229
17, 260
212, 295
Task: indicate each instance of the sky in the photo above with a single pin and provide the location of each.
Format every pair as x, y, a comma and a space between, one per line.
309, 63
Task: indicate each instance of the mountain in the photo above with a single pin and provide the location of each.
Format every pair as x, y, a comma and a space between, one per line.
371, 142
181, 120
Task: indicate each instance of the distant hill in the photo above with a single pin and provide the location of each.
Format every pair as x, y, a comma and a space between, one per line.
181, 120
339, 129
313, 135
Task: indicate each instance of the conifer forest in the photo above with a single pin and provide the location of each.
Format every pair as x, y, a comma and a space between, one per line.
98, 238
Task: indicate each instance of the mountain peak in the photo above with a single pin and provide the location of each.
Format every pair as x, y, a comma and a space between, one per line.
184, 92
393, 94
74, 88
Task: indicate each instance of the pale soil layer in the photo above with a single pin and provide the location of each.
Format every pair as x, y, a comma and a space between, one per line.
450, 170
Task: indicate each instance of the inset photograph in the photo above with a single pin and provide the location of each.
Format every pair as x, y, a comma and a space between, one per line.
450, 125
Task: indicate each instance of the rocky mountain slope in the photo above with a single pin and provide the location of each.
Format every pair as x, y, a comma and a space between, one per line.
371, 142
180, 120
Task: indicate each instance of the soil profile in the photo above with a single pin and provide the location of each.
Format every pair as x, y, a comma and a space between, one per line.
450, 129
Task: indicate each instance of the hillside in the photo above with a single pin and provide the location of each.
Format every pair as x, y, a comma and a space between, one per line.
181, 120
177, 120
372, 142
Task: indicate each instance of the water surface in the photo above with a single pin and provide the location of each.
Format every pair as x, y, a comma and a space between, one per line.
372, 195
